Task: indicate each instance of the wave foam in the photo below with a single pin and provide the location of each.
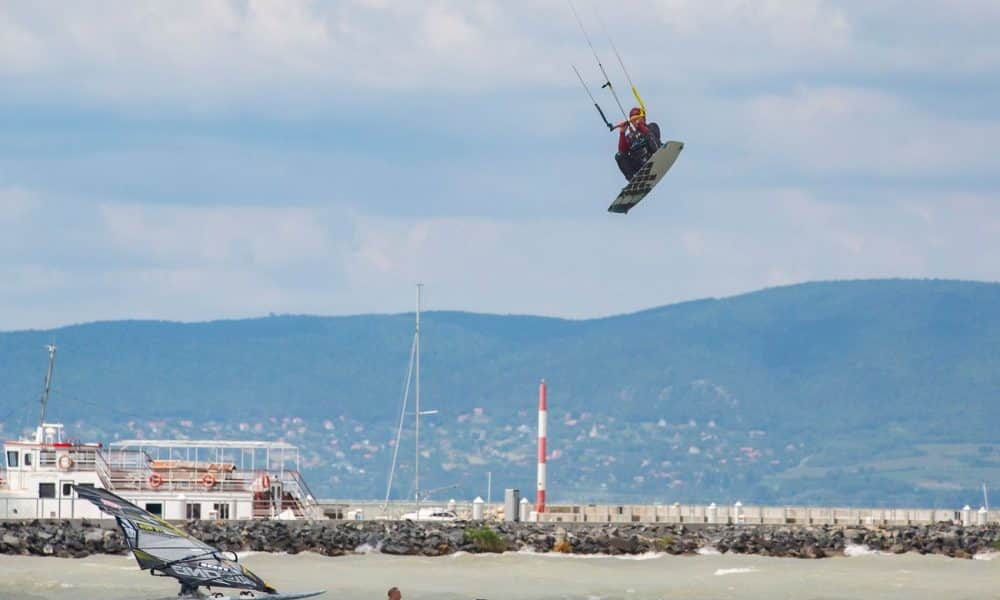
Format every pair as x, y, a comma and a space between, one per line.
851, 550
736, 571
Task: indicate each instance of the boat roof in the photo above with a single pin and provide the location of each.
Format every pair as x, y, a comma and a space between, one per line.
204, 444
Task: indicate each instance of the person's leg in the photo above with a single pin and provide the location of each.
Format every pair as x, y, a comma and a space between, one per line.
625, 165
653, 139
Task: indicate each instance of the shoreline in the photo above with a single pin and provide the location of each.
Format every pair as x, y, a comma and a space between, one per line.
78, 539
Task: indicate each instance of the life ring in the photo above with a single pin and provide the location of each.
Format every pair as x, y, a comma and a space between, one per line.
208, 480
155, 480
65, 462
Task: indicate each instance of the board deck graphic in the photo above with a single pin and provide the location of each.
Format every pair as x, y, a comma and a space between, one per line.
647, 177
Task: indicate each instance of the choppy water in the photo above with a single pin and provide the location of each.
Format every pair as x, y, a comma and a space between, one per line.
529, 577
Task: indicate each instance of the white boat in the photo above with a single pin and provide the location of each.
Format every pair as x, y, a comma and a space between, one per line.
173, 479
431, 513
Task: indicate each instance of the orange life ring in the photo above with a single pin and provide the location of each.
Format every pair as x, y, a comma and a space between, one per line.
208, 480
155, 480
65, 462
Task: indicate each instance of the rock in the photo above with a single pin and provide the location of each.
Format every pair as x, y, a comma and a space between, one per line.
93, 536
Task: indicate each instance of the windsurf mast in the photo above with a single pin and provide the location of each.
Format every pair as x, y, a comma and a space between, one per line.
607, 80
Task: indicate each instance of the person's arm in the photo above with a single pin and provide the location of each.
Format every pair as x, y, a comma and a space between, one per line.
623, 145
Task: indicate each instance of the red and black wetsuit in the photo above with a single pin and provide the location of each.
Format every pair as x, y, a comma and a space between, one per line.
627, 135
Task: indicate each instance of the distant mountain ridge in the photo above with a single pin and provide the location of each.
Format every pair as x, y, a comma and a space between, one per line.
656, 405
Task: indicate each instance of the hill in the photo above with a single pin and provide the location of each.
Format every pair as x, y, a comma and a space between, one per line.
863, 392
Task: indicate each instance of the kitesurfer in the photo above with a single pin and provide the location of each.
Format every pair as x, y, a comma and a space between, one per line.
637, 141
395, 594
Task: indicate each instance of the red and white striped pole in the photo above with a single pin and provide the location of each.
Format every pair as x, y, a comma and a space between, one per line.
542, 417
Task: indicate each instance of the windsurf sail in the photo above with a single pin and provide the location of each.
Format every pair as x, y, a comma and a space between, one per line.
165, 550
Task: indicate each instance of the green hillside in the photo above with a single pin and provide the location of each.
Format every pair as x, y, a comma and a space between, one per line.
860, 392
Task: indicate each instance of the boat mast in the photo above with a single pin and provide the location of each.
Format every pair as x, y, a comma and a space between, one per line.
416, 463
48, 383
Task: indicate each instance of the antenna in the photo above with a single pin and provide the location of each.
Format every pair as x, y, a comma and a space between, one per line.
48, 382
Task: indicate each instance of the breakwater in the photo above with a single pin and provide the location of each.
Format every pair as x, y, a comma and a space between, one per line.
82, 538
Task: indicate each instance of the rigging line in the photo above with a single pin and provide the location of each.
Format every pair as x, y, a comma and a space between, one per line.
621, 62
399, 430
596, 105
607, 80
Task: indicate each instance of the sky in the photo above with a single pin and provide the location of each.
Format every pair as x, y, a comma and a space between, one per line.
208, 159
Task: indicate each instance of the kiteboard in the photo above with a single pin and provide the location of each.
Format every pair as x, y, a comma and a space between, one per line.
647, 177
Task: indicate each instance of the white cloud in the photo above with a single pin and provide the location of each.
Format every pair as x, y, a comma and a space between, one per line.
16, 204
492, 189
224, 236
866, 132
295, 54
803, 23
192, 264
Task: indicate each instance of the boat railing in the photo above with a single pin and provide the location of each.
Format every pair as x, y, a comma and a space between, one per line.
102, 469
296, 485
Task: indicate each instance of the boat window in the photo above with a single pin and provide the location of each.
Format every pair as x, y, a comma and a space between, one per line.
194, 510
221, 510
12, 459
47, 458
27, 459
46, 490
155, 508
67, 489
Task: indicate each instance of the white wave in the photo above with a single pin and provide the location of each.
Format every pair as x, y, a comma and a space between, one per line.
533, 552
559, 555
988, 555
366, 549
736, 571
852, 550
708, 551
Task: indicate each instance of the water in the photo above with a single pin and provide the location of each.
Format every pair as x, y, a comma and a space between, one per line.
525, 576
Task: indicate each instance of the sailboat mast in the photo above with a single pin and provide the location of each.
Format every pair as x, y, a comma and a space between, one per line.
48, 382
416, 463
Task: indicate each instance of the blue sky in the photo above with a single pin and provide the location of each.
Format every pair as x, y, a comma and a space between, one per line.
214, 159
